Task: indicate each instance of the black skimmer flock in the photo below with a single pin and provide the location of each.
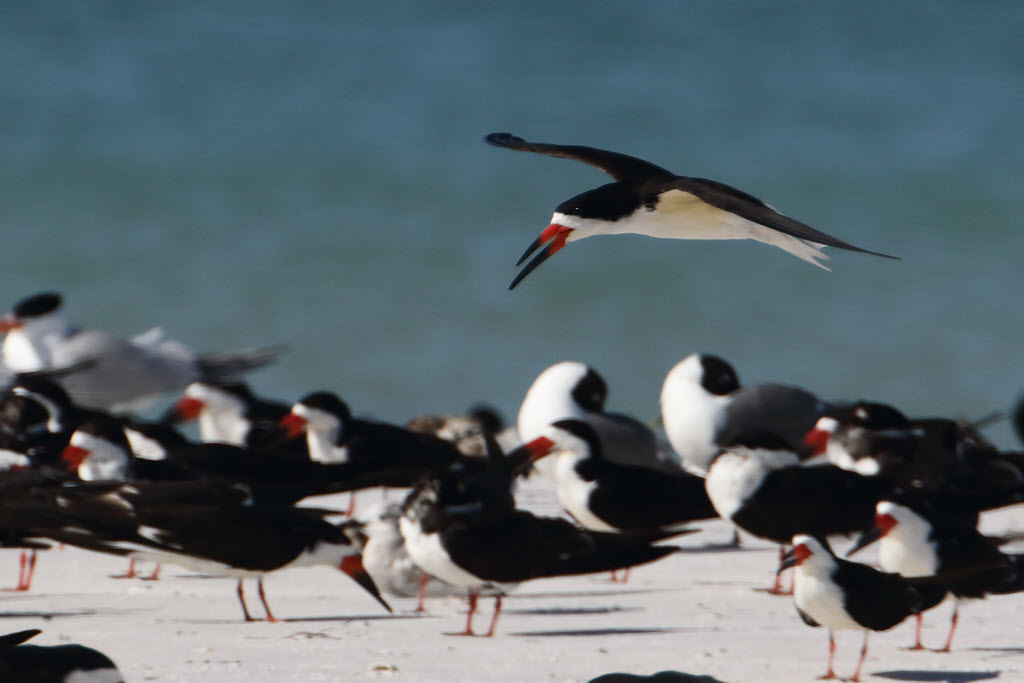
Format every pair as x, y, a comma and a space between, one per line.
921, 537
648, 200
839, 594
121, 372
704, 408
242, 541
53, 663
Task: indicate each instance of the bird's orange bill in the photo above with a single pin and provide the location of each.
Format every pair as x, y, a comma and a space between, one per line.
292, 424
554, 236
793, 557
353, 566
72, 456
520, 459
9, 322
882, 525
188, 408
816, 441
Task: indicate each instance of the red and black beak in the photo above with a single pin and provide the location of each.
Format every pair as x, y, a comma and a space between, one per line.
353, 566
9, 322
882, 525
555, 236
522, 457
72, 456
816, 441
793, 557
187, 409
292, 424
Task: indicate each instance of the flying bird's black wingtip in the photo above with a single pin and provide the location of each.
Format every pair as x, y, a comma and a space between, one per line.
503, 140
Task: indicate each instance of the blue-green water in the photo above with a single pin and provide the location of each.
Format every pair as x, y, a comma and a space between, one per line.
314, 173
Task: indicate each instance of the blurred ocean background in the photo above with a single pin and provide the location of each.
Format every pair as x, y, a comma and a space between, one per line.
249, 173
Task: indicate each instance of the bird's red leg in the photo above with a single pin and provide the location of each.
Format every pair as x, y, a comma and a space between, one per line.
241, 599
130, 574
468, 631
351, 504
30, 572
829, 673
263, 598
917, 634
421, 593
155, 575
20, 586
863, 656
494, 618
776, 587
952, 627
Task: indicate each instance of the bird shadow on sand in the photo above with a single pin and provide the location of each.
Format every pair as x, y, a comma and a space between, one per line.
595, 593
722, 548
59, 615
590, 632
1000, 651
300, 620
938, 676
570, 611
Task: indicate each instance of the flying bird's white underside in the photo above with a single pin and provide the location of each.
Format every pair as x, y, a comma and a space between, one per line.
682, 215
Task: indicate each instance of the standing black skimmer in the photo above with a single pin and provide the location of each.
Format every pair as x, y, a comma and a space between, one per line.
866, 437
230, 540
838, 594
929, 537
53, 663
466, 531
760, 488
649, 200
15, 485
574, 390
123, 371
387, 561
335, 437
704, 407
605, 496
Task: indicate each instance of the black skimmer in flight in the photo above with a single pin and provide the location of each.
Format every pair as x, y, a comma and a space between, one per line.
122, 372
649, 200
929, 537
839, 594
704, 407
574, 390
53, 663
466, 531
